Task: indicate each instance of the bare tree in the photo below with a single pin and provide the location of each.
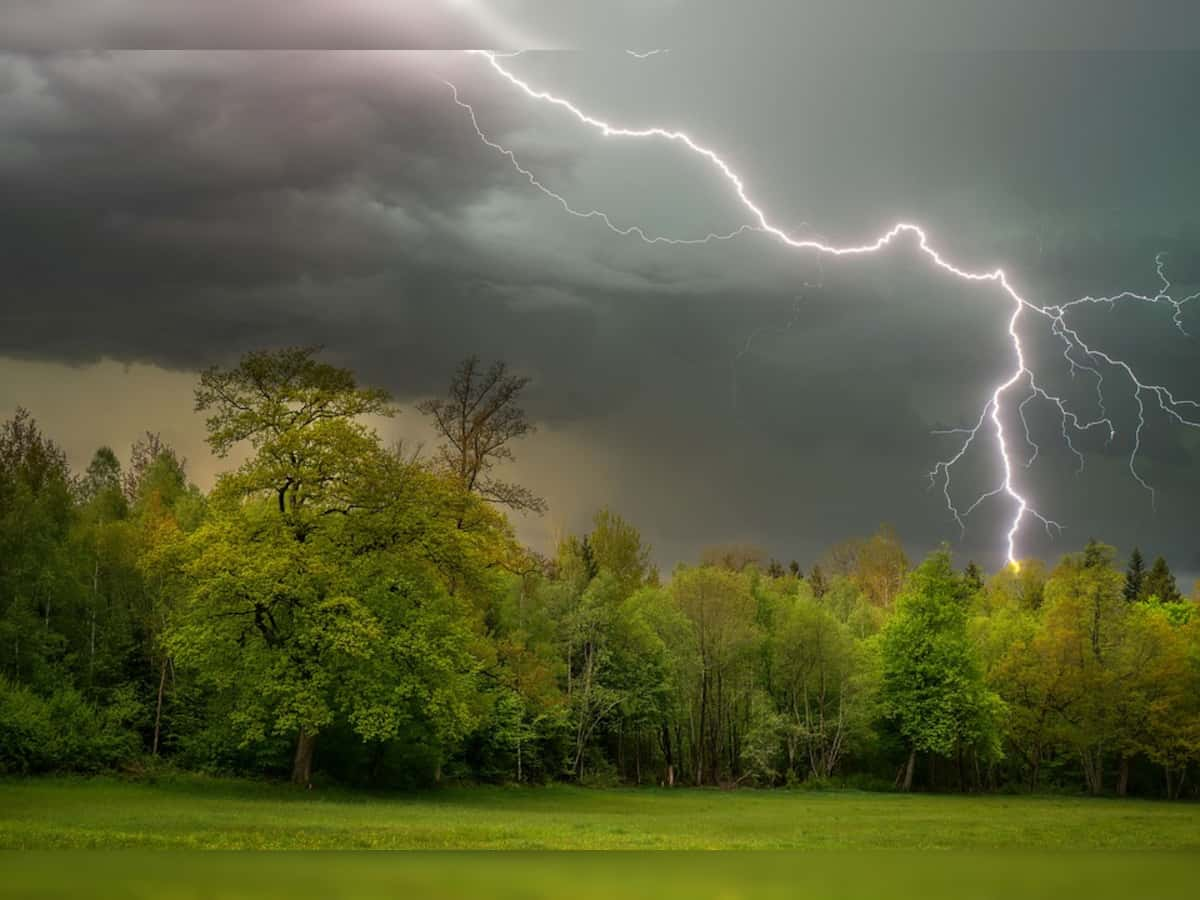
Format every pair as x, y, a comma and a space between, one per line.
478, 418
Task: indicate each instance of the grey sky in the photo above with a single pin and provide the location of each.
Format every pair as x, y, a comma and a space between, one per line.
177, 208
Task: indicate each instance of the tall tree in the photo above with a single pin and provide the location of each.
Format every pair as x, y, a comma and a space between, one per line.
145, 452
879, 566
1096, 554
314, 596
478, 419
36, 516
103, 475
1160, 583
1084, 615
1135, 576
301, 417
720, 662
821, 685
932, 688
616, 545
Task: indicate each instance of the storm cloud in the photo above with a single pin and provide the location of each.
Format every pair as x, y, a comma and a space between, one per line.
179, 207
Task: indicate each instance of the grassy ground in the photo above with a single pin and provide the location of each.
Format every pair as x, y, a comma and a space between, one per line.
969, 875
201, 813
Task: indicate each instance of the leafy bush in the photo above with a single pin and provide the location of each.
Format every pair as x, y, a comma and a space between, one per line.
64, 732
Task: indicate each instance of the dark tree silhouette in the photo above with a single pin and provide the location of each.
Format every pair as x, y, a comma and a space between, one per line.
1135, 576
478, 419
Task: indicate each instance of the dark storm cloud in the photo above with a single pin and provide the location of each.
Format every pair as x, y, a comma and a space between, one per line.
180, 208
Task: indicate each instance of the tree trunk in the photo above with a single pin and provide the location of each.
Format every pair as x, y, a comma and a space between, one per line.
908, 771
1093, 770
162, 683
95, 593
302, 763
668, 757
1175, 781
1123, 776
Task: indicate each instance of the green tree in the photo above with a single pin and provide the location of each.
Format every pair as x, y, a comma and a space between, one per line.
719, 662
1084, 616
616, 545
38, 575
932, 686
318, 591
880, 565
822, 679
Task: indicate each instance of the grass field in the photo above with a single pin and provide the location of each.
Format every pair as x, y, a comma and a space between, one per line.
212, 814
845, 845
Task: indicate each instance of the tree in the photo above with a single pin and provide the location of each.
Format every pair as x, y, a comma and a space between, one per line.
104, 545
932, 686
1135, 576
317, 583
1033, 673
103, 475
478, 419
734, 557
879, 566
1166, 659
719, 664
1096, 554
1160, 583
146, 452
816, 580
301, 417
1024, 584
973, 576
823, 689
166, 509
1084, 615
616, 545
37, 576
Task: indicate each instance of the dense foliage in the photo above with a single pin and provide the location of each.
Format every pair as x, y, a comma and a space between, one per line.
337, 608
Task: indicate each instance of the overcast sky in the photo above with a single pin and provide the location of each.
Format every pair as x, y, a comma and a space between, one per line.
163, 210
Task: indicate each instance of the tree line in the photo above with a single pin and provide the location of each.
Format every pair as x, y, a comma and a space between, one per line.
336, 608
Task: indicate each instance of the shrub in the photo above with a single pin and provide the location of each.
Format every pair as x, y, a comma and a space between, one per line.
64, 732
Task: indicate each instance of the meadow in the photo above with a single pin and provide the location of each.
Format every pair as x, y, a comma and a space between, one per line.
195, 812
835, 845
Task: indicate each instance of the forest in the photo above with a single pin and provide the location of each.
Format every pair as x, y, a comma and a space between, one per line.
340, 611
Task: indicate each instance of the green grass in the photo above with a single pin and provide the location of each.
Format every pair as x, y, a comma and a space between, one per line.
598, 876
218, 814
1035, 848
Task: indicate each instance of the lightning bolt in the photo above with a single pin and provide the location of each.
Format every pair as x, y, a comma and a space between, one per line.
1078, 354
